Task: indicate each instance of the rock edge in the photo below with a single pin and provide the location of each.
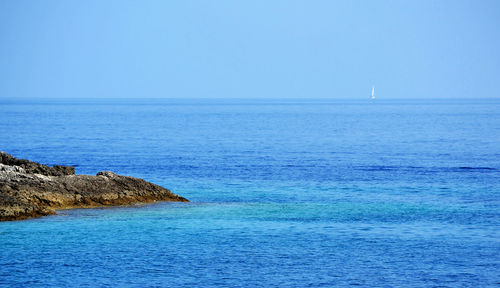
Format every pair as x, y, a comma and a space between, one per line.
29, 189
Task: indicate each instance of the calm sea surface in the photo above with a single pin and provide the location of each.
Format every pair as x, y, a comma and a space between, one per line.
285, 193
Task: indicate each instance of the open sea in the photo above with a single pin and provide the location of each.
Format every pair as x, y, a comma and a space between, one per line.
285, 193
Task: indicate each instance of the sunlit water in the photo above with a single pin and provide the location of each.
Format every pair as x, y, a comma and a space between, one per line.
285, 193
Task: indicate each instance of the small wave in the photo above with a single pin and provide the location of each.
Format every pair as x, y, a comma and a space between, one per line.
417, 169
476, 168
379, 168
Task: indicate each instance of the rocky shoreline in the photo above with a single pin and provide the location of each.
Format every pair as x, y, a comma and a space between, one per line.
29, 189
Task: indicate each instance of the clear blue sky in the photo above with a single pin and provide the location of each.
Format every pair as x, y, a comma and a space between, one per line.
246, 49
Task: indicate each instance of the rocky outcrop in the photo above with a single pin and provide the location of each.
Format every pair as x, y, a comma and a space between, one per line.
35, 168
29, 189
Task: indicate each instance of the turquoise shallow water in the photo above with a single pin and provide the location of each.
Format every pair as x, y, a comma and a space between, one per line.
294, 193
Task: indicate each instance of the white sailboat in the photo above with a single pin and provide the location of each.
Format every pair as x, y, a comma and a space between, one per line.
373, 92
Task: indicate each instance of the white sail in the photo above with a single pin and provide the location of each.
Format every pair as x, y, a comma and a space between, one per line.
373, 92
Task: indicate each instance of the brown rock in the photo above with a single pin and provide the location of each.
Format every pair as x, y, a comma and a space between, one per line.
29, 189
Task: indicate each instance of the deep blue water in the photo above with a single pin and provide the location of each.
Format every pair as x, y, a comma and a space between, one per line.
285, 193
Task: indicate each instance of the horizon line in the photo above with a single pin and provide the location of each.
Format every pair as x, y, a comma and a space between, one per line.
242, 98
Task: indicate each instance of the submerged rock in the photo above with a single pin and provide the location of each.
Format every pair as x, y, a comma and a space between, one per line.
29, 189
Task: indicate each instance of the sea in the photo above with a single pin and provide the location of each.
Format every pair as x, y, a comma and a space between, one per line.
284, 193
